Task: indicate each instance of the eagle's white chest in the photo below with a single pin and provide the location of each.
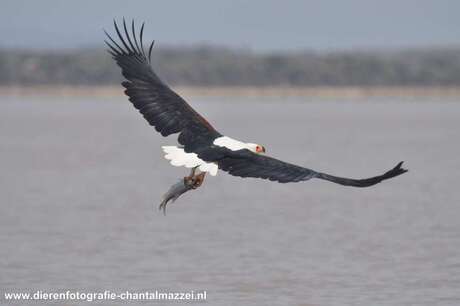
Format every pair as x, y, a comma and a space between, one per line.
179, 158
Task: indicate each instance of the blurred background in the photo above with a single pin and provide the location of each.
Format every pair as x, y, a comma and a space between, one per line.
344, 87
238, 43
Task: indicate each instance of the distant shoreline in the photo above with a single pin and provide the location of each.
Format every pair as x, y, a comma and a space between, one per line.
275, 91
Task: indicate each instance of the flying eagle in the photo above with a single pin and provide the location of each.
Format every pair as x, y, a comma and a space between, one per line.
202, 148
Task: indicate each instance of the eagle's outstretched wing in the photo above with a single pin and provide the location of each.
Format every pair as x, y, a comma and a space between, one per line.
160, 106
245, 163
170, 114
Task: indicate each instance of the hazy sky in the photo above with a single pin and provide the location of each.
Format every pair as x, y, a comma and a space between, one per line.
258, 24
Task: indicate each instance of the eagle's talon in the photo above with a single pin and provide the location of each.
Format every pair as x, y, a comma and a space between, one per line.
198, 180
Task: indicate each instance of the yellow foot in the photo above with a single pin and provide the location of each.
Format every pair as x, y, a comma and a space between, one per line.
198, 180
194, 181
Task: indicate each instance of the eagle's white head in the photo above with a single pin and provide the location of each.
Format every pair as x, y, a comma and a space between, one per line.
256, 148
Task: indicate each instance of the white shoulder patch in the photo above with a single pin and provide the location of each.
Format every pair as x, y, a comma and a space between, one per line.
230, 143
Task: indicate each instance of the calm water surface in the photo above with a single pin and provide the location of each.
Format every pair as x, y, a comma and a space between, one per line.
81, 178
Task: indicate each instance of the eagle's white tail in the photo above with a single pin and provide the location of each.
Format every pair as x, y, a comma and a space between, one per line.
179, 158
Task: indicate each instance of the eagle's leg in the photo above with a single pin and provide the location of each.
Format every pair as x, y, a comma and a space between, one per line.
189, 180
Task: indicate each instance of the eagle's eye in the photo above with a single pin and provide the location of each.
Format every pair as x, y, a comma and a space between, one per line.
259, 149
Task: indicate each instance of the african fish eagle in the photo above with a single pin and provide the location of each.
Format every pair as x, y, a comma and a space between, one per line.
202, 148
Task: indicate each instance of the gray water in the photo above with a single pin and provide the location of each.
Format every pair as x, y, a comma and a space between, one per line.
81, 179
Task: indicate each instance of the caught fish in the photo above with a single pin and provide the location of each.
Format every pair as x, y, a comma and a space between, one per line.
174, 192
